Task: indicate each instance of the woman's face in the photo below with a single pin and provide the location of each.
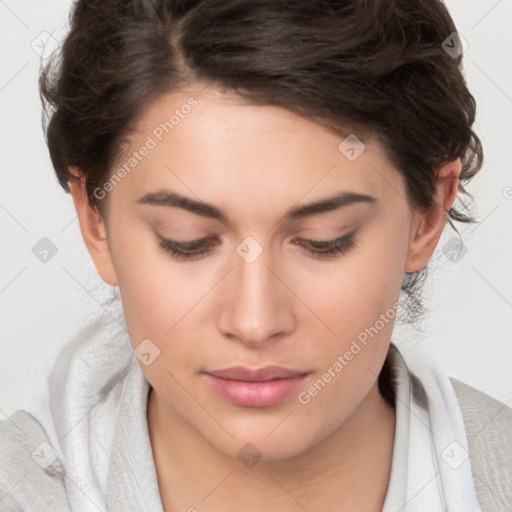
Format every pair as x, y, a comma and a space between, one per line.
254, 294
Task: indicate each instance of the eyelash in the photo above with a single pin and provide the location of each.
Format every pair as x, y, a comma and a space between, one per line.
324, 249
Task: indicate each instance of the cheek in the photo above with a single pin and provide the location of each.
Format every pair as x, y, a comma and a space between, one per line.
357, 300
158, 305
351, 294
155, 292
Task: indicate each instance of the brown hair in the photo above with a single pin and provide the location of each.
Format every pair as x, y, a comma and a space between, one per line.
375, 66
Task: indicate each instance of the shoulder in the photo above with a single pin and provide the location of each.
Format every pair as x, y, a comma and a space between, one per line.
30, 471
488, 424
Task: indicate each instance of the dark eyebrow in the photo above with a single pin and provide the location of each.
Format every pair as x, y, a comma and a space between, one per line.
208, 210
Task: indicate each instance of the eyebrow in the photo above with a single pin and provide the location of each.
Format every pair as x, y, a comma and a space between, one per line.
172, 199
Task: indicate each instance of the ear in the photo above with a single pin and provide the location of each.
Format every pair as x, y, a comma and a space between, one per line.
427, 226
93, 229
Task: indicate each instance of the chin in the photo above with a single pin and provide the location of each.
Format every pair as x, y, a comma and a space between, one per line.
260, 446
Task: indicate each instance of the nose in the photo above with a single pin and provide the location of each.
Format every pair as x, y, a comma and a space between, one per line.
258, 308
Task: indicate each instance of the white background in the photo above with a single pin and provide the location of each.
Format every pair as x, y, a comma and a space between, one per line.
468, 332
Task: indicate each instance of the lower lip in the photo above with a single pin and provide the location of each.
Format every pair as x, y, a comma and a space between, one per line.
255, 394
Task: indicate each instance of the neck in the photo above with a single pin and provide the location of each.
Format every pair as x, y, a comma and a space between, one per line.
348, 470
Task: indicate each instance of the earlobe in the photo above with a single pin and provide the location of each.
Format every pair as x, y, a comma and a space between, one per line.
427, 226
93, 229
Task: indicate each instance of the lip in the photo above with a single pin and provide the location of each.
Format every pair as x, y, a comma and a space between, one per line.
246, 374
261, 387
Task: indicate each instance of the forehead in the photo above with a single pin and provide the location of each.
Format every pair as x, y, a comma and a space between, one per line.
211, 143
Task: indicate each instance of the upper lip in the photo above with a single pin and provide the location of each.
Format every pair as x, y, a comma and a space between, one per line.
255, 375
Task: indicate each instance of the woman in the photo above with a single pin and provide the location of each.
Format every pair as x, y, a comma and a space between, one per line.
263, 181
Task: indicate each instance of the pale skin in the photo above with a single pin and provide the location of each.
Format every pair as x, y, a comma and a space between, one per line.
255, 163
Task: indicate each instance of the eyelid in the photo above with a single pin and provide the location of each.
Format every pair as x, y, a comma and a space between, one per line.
321, 249
186, 244
196, 242
333, 241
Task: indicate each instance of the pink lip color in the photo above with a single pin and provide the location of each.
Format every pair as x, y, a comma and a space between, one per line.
255, 394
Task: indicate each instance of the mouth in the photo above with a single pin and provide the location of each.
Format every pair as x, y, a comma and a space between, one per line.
247, 387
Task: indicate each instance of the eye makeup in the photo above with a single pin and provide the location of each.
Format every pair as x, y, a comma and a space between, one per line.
195, 249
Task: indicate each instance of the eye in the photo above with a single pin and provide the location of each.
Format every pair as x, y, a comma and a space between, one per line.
329, 248
194, 249
190, 249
